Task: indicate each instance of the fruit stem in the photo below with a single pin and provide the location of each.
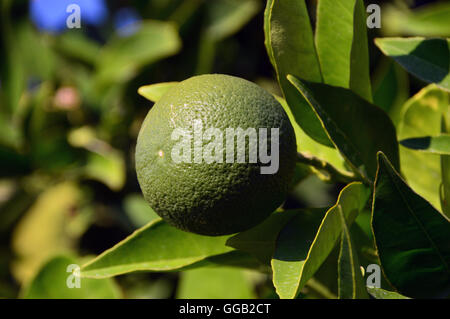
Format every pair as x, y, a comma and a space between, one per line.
327, 172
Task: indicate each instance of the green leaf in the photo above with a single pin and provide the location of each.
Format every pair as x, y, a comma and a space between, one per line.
223, 19
214, 283
155, 247
429, 20
122, 57
290, 46
226, 17
308, 146
53, 211
154, 92
391, 89
432, 144
351, 283
358, 128
379, 293
445, 168
104, 163
343, 55
427, 59
421, 116
307, 240
412, 237
260, 240
51, 282
138, 210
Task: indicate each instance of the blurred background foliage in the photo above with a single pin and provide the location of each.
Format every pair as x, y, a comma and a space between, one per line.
70, 115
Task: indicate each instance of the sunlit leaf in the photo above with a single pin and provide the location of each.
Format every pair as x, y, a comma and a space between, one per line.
379, 293
121, 58
428, 20
427, 59
432, 144
155, 247
307, 240
214, 283
343, 55
290, 46
421, 116
44, 230
351, 283
154, 92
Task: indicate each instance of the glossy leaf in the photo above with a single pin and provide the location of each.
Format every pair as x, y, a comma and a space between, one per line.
351, 283
155, 247
307, 240
432, 144
427, 59
51, 282
412, 237
122, 57
343, 55
290, 46
214, 283
421, 116
357, 128
154, 92
379, 293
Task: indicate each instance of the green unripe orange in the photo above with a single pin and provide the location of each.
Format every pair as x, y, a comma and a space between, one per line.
214, 197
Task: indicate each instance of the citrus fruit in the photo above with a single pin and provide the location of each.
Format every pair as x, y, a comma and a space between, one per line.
191, 178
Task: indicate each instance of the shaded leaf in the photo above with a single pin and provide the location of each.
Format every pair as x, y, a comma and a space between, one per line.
357, 128
155, 247
351, 283
290, 46
343, 55
260, 240
412, 237
214, 283
379, 293
154, 92
51, 282
307, 240
432, 144
391, 89
427, 59
421, 116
